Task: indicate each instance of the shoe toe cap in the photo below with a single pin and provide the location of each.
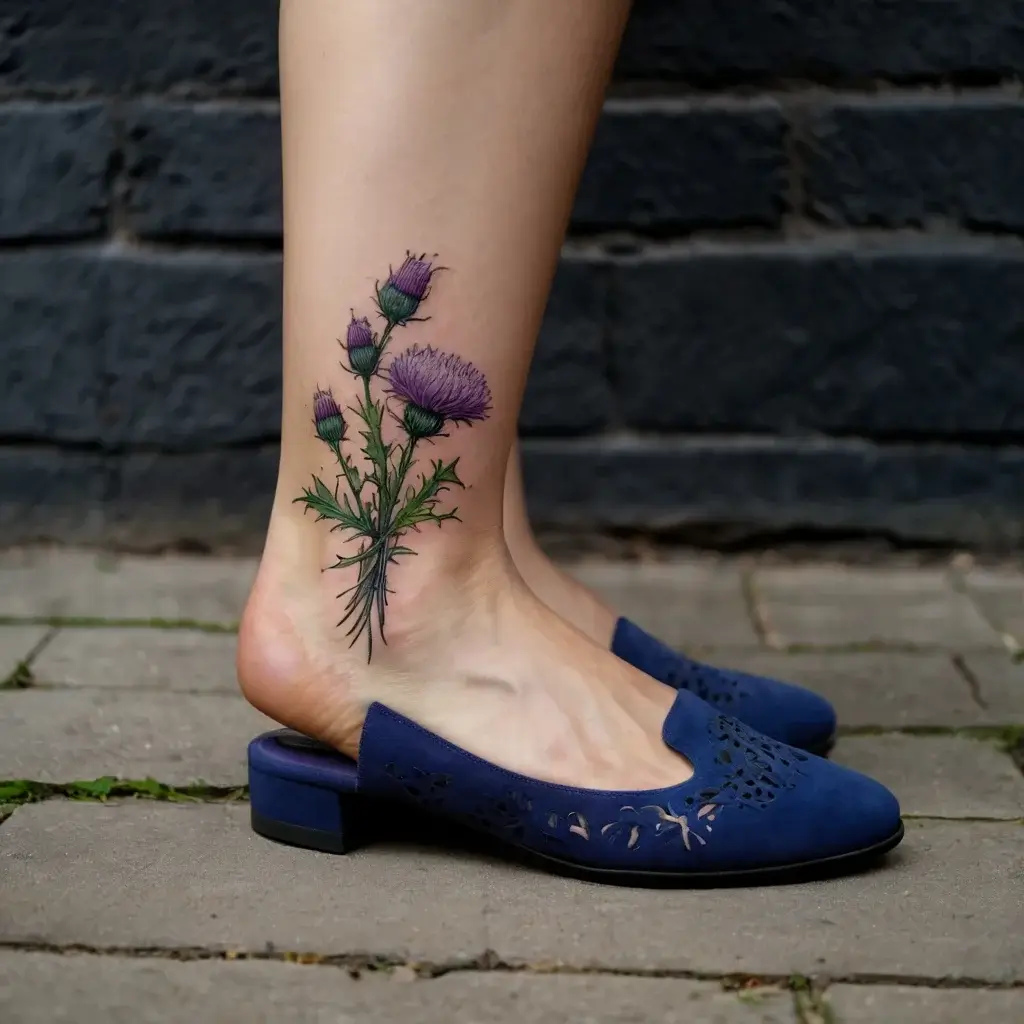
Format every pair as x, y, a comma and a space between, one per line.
849, 811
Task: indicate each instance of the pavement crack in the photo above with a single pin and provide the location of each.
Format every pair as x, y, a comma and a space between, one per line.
360, 962
965, 820
960, 664
1005, 735
100, 622
756, 611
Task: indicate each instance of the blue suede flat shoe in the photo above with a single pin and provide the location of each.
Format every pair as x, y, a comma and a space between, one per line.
755, 810
780, 710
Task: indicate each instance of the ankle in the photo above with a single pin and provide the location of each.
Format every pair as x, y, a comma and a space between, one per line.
298, 665
471, 654
561, 592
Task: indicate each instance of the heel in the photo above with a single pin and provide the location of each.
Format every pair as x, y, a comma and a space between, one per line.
307, 815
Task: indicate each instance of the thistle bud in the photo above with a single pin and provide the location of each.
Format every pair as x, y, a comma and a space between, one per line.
362, 352
327, 418
400, 296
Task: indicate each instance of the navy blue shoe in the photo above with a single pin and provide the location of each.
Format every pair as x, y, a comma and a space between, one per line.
755, 810
781, 711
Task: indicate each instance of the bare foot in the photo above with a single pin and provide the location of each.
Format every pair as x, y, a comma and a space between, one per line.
471, 654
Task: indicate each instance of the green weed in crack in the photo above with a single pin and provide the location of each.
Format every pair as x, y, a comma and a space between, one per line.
19, 679
16, 792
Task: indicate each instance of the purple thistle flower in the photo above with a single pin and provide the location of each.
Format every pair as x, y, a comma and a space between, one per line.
437, 387
327, 418
362, 352
400, 296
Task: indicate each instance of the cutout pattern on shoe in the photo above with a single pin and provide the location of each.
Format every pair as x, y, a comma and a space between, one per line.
790, 714
753, 806
750, 770
719, 687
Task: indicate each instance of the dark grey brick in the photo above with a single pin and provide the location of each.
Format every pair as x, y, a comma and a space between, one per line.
214, 169
909, 341
843, 40
50, 495
684, 168
139, 45
726, 490
193, 351
53, 308
746, 487
211, 169
568, 390
895, 163
53, 177
219, 499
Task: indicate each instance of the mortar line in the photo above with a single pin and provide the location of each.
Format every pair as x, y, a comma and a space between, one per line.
133, 688
101, 622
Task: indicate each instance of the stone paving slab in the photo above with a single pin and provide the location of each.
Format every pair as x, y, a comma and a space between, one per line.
940, 776
16, 643
64, 735
58, 582
893, 690
903, 1004
174, 660
685, 604
999, 594
140, 874
1001, 686
822, 605
81, 989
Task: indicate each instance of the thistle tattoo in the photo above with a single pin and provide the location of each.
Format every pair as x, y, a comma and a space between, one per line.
424, 391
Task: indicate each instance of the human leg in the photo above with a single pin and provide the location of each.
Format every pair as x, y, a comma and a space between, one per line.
458, 127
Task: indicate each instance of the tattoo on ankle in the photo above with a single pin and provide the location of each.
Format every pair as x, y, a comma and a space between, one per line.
433, 389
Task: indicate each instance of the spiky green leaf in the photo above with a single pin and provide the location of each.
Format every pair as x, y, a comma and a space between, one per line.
320, 499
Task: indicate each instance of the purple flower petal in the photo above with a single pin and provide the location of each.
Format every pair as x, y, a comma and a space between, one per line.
412, 277
324, 405
441, 383
359, 334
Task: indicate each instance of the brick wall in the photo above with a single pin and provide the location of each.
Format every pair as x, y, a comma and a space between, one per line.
792, 299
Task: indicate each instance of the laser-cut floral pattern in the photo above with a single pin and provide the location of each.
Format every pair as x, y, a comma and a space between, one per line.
752, 770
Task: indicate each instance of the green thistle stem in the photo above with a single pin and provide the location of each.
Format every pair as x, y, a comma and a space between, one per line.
388, 539
384, 339
354, 483
377, 442
370, 591
404, 465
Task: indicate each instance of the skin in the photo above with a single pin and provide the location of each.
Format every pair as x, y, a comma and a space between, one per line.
563, 594
458, 127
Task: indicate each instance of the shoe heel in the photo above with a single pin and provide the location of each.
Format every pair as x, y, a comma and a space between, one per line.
302, 814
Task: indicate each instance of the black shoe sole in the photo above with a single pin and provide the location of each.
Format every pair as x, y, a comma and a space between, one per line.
824, 867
